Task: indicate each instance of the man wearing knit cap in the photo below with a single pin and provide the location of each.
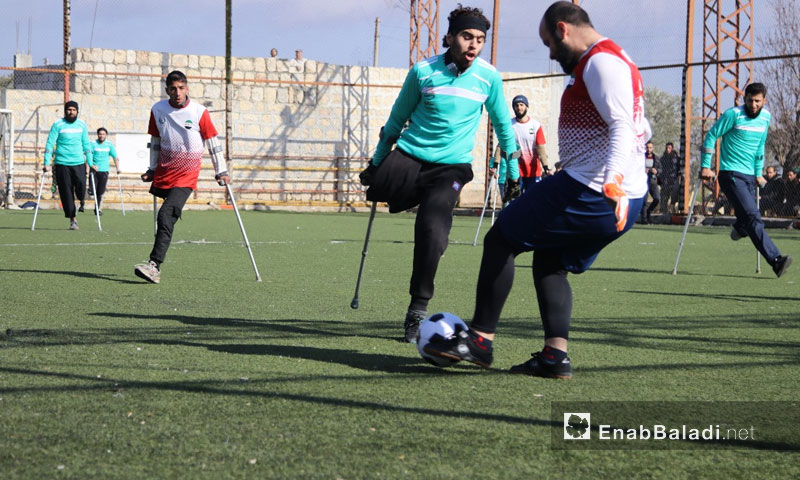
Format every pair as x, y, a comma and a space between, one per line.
69, 141
433, 123
530, 138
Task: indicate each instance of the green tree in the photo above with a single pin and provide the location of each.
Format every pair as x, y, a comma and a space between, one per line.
663, 110
7, 81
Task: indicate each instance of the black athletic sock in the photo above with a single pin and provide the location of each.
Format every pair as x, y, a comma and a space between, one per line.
553, 355
553, 293
418, 304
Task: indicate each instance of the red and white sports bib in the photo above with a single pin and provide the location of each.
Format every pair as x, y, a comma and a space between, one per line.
182, 132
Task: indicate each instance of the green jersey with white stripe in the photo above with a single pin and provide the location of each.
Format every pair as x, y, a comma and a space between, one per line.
743, 140
100, 154
70, 141
443, 111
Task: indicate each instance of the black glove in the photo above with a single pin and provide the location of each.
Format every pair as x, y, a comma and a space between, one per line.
512, 191
365, 177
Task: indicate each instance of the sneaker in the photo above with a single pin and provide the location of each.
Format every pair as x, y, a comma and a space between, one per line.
413, 317
73, 225
736, 236
781, 265
148, 271
461, 347
80, 209
96, 213
538, 367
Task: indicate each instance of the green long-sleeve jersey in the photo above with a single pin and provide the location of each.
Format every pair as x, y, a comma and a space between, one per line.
743, 140
70, 141
444, 110
100, 154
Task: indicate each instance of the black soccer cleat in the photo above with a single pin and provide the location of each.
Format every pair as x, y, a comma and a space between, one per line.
462, 346
781, 265
539, 367
411, 325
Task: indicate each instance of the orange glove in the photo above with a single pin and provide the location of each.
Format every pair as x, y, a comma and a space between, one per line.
618, 199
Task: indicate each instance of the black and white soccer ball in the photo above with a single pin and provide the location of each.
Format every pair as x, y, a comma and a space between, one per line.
438, 326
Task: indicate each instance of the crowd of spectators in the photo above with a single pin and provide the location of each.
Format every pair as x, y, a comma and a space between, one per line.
781, 195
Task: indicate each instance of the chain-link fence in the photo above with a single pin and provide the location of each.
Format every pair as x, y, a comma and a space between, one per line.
302, 129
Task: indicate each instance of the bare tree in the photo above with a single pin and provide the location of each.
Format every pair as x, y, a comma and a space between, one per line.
782, 78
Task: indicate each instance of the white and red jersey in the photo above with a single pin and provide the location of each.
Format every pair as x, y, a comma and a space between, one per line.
529, 135
602, 129
182, 132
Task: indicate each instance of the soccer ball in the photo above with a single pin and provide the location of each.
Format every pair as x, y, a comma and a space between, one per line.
438, 326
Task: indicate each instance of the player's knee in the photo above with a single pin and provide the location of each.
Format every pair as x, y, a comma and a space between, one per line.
169, 213
546, 263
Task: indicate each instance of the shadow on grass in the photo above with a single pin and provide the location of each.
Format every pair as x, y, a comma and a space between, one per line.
351, 358
206, 387
675, 334
718, 296
680, 272
95, 276
314, 327
217, 388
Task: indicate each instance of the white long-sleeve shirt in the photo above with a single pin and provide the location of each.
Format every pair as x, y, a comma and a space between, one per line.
602, 129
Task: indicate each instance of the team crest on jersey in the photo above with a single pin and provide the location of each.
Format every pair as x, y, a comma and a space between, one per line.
530, 130
161, 120
188, 124
456, 186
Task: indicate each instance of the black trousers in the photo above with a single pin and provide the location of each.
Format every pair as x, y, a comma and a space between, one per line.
404, 182
655, 193
71, 181
102, 180
168, 214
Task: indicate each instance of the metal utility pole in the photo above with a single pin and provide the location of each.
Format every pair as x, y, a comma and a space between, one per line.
686, 109
228, 87
375, 44
424, 16
66, 49
493, 59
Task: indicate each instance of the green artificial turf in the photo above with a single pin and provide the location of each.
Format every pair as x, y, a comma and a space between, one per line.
213, 375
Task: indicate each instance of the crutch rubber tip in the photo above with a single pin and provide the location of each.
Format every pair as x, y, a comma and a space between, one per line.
354, 304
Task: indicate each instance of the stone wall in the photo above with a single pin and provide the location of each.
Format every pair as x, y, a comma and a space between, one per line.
292, 143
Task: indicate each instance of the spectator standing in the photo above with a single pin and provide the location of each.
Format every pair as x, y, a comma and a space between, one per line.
771, 193
671, 178
652, 167
791, 193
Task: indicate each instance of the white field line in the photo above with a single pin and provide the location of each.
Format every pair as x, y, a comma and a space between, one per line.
103, 244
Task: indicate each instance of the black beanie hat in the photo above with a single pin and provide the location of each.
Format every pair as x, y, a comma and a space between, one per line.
71, 103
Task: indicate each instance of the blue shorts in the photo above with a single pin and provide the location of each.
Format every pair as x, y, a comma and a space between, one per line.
563, 215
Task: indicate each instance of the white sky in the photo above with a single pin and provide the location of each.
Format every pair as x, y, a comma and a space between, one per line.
340, 31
